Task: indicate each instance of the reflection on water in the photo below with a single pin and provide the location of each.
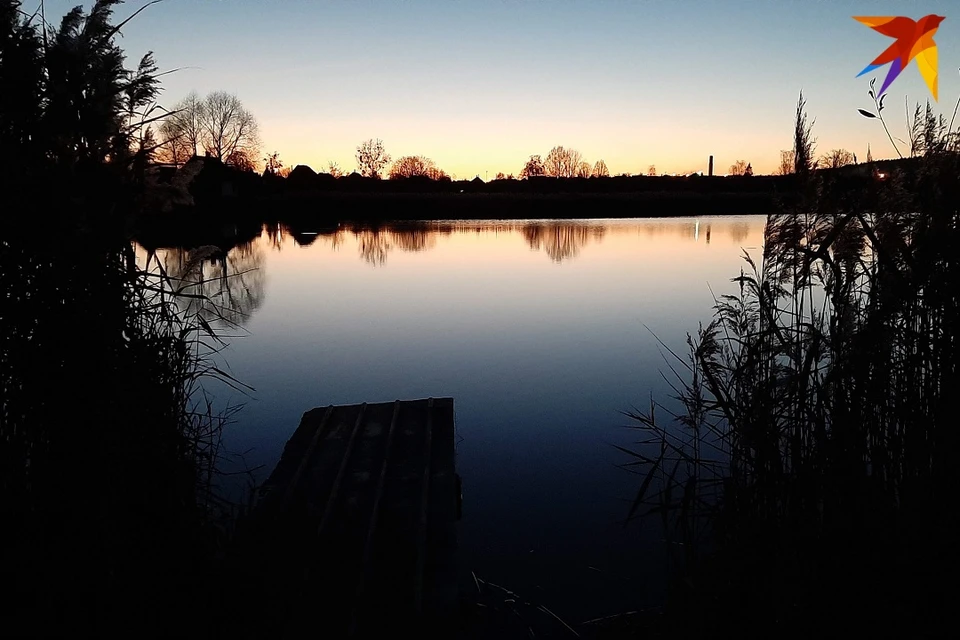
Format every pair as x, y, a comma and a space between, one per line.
542, 331
560, 240
232, 279
222, 287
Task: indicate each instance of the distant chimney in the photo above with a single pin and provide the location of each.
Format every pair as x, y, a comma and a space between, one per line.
710, 170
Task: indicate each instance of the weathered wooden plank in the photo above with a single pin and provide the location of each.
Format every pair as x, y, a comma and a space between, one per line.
305, 457
320, 477
290, 468
440, 572
424, 506
372, 491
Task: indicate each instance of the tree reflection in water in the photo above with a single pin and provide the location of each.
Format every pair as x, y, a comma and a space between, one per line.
739, 231
224, 287
375, 244
416, 239
561, 241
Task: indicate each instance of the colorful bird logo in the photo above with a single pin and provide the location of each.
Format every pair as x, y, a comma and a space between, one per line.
914, 40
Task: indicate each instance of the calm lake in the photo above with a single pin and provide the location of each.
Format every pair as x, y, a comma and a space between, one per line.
542, 332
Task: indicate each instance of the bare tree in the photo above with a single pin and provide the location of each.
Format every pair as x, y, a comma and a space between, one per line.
738, 168
835, 159
414, 166
334, 169
787, 162
436, 173
562, 163
584, 170
555, 164
173, 149
533, 167
227, 127
600, 170
652, 170
371, 158
181, 134
410, 167
500, 176
574, 161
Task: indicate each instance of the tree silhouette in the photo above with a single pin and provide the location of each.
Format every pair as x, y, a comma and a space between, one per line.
787, 162
409, 167
738, 168
219, 125
228, 129
241, 159
180, 132
652, 170
416, 166
562, 163
600, 170
272, 165
435, 173
835, 158
371, 158
334, 169
532, 168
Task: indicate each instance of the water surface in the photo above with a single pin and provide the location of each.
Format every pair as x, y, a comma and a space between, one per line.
542, 332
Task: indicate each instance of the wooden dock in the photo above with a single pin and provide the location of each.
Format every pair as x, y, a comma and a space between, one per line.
357, 523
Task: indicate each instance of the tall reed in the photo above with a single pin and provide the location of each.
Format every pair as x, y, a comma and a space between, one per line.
107, 444
808, 476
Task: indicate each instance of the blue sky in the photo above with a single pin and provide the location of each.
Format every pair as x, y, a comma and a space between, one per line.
479, 86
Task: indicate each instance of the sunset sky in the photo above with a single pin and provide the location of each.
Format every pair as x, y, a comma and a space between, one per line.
479, 86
